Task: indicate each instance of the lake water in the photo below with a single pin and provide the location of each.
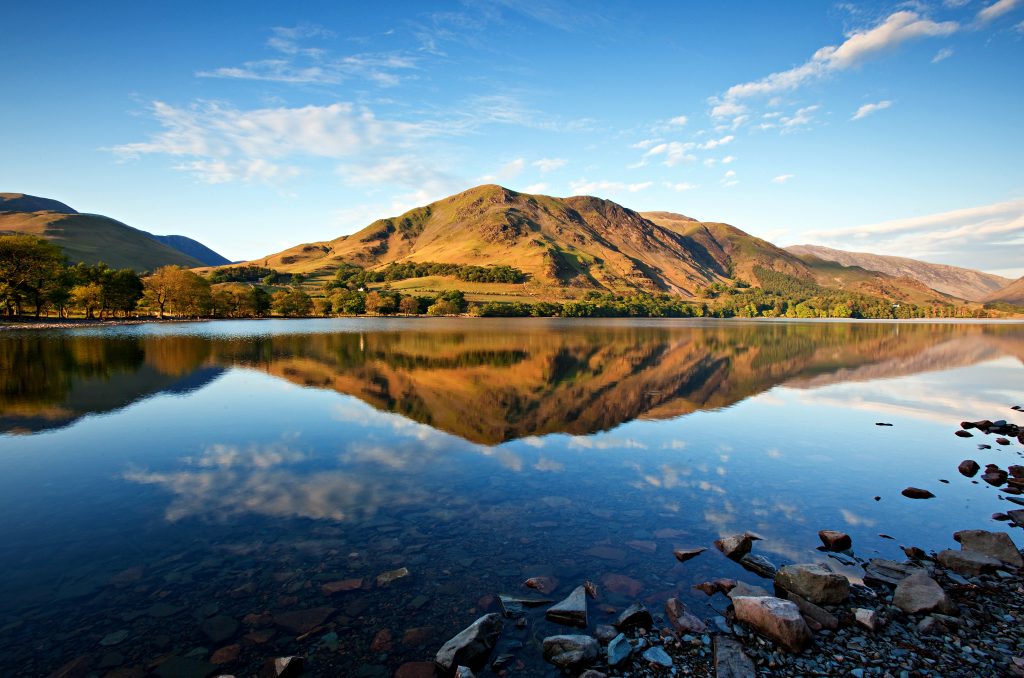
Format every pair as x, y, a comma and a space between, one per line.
169, 490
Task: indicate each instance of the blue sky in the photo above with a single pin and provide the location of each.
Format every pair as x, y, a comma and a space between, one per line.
893, 128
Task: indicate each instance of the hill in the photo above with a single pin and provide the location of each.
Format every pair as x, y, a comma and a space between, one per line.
1011, 294
578, 242
963, 283
93, 238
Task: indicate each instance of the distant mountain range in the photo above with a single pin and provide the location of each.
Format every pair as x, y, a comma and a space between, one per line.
92, 238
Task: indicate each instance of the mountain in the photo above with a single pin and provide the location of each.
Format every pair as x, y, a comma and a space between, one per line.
582, 242
194, 249
93, 238
963, 283
1011, 294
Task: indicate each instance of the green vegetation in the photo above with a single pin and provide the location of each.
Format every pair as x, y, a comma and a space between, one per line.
354, 277
250, 274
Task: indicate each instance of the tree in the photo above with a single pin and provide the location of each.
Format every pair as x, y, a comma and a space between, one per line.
323, 307
29, 267
292, 303
87, 297
258, 302
178, 289
409, 306
380, 303
122, 290
444, 307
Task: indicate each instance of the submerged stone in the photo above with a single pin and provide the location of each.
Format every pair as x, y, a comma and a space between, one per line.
572, 611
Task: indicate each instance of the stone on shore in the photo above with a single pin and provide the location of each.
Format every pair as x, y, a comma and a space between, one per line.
995, 544
920, 594
744, 589
572, 611
777, 619
658, 657
634, 616
968, 563
736, 546
730, 659
880, 570
834, 540
619, 650
812, 612
681, 619
814, 582
571, 651
869, 619
512, 606
471, 646
682, 555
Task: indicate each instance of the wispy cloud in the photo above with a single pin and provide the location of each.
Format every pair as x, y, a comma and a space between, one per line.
585, 187
681, 186
942, 55
675, 152
783, 178
729, 179
546, 165
996, 10
867, 109
715, 143
678, 121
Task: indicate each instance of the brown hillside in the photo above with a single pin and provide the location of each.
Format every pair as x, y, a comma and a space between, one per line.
1011, 294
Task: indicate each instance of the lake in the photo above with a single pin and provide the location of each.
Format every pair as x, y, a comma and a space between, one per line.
172, 489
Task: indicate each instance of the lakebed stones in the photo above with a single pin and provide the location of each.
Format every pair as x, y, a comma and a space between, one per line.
995, 544
303, 621
834, 540
814, 582
513, 606
543, 584
737, 545
968, 563
572, 611
682, 555
471, 646
744, 589
920, 594
390, 577
681, 619
775, 618
571, 651
730, 659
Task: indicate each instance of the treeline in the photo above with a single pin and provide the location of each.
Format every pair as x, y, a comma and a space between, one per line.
249, 274
389, 302
353, 277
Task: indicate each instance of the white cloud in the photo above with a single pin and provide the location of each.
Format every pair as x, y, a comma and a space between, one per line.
727, 109
645, 143
585, 187
549, 164
710, 162
803, 116
782, 178
681, 186
675, 152
942, 55
729, 179
996, 10
536, 188
715, 143
510, 170
728, 159
678, 121
858, 48
867, 109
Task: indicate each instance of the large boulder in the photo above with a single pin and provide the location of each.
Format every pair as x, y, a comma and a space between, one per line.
995, 544
777, 619
814, 583
682, 620
968, 563
737, 545
834, 540
571, 651
634, 616
471, 646
920, 594
572, 611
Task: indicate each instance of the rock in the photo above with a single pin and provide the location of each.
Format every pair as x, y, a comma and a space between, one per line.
572, 611
592, 673
869, 619
730, 659
919, 594
283, 667
605, 633
543, 584
634, 616
814, 582
882, 571
591, 589
648, 547
416, 670
1017, 516
303, 621
682, 555
968, 468
964, 434
914, 553
623, 585
114, 638
819, 616
390, 577
932, 625
916, 493
512, 606
681, 619
968, 563
76, 668
619, 650
995, 477
382, 641
344, 585
1002, 441
759, 565
658, 657
834, 540
710, 588
219, 628
187, 667
995, 544
736, 546
471, 646
1016, 470
463, 672
774, 618
744, 589
570, 651
226, 654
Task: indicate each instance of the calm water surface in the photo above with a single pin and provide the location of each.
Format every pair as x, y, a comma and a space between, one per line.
169, 490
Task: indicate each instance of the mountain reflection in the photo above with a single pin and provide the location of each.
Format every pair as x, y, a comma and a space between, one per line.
490, 382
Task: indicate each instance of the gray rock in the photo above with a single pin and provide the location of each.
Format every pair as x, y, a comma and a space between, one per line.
657, 656
681, 619
513, 606
809, 610
920, 594
995, 544
283, 667
744, 589
814, 583
471, 646
634, 616
759, 565
777, 619
682, 555
464, 672
571, 651
869, 619
619, 650
605, 633
968, 563
730, 659
882, 571
572, 611
390, 577
114, 638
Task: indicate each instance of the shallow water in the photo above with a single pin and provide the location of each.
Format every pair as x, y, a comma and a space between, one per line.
167, 481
